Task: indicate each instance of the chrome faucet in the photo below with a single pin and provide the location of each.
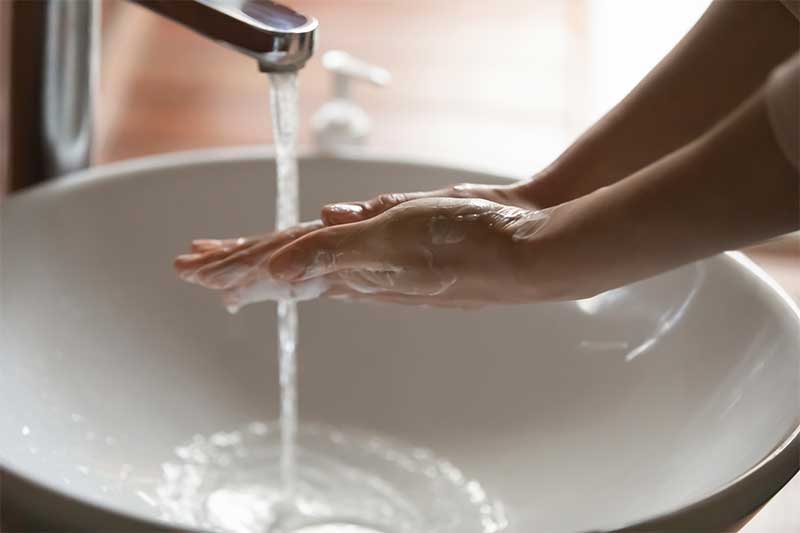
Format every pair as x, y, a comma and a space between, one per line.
54, 65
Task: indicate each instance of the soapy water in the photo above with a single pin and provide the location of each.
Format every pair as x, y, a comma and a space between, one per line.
346, 482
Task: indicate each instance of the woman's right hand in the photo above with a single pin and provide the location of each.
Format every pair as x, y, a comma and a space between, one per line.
514, 195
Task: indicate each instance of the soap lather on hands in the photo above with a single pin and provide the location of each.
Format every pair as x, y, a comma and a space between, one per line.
452, 247
239, 268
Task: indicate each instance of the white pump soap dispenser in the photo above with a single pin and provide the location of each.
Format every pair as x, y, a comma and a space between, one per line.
340, 122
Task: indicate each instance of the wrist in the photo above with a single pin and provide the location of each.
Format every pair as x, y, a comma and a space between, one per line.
542, 190
566, 179
576, 255
546, 265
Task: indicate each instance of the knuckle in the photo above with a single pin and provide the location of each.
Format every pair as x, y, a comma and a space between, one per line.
459, 190
463, 190
386, 201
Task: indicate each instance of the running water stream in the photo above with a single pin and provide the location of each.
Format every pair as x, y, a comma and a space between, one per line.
283, 103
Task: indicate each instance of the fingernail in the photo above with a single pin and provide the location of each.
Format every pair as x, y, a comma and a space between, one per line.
185, 261
351, 210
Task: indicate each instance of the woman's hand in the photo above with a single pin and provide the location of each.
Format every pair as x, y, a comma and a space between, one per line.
452, 252
515, 194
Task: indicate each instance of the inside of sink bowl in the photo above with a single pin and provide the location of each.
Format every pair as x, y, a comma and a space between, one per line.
627, 406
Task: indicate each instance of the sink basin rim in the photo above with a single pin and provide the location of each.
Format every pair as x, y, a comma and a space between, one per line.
134, 168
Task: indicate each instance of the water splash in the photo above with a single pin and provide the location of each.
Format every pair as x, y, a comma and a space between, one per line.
346, 481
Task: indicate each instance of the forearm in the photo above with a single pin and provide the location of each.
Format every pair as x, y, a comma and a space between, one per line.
722, 60
731, 187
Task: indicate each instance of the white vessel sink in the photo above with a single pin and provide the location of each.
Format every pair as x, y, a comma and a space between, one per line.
669, 404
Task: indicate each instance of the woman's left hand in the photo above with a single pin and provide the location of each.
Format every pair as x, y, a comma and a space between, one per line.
452, 252
238, 267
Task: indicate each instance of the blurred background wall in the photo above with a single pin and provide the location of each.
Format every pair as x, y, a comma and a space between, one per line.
504, 85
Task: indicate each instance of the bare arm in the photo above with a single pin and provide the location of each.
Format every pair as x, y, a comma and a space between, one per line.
716, 66
731, 187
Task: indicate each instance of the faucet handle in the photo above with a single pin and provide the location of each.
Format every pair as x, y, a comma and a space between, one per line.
345, 67
340, 122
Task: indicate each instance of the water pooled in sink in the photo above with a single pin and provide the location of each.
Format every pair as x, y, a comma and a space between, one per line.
314, 479
345, 482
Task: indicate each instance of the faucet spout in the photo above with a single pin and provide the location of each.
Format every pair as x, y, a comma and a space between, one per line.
279, 38
53, 69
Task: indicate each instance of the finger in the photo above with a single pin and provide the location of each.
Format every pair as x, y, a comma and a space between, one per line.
248, 263
229, 272
323, 252
348, 212
208, 245
230, 262
205, 245
207, 251
342, 213
268, 289
347, 295
380, 298
188, 264
409, 281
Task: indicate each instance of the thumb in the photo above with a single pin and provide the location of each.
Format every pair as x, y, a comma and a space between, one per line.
348, 212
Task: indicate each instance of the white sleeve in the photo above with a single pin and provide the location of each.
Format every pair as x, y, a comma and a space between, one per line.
783, 107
